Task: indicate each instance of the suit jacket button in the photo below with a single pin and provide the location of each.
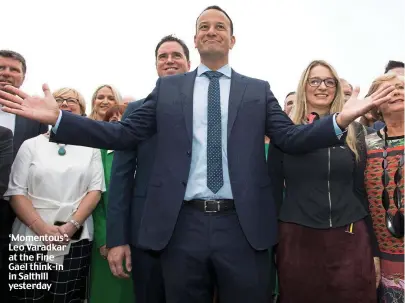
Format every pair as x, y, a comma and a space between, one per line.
184, 183
189, 153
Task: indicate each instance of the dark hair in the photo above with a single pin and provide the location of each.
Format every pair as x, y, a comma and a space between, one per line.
216, 7
16, 56
289, 94
393, 64
114, 110
171, 38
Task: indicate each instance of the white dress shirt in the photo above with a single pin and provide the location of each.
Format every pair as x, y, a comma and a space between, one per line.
7, 120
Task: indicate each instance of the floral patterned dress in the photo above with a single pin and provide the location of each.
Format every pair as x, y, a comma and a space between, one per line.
391, 248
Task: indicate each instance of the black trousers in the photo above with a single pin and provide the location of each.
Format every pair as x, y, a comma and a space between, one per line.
211, 249
147, 276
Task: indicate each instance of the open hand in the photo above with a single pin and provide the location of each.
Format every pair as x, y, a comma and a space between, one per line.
42, 109
356, 107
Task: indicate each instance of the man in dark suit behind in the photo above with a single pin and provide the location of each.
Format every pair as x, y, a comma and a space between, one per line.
12, 72
209, 208
6, 157
127, 196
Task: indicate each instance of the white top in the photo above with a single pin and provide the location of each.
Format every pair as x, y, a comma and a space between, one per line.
7, 120
55, 184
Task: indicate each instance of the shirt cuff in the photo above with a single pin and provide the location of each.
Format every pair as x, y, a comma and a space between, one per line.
55, 128
338, 131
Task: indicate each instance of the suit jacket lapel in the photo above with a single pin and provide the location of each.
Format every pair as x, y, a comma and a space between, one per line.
187, 91
238, 86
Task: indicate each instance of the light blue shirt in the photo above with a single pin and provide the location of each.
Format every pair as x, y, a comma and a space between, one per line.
197, 178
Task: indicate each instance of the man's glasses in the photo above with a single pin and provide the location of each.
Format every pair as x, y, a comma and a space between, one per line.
69, 101
395, 224
316, 82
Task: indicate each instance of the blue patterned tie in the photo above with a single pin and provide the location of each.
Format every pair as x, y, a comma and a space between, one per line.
214, 135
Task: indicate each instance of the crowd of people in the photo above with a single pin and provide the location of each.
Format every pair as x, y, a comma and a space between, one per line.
206, 190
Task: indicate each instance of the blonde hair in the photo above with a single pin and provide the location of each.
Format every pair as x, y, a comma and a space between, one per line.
376, 84
64, 91
116, 94
300, 112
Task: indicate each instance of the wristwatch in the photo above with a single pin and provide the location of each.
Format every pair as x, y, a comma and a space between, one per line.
75, 223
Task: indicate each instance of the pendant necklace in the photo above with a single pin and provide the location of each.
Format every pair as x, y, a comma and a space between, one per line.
61, 150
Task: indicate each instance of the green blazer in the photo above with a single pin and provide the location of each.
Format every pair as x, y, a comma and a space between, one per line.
104, 287
100, 213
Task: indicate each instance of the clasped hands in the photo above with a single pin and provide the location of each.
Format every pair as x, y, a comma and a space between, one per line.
61, 234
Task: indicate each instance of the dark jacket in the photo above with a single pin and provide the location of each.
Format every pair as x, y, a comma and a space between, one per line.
24, 129
6, 157
168, 112
128, 195
323, 188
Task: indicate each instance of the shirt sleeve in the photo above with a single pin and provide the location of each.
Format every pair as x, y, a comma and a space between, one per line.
97, 181
55, 128
338, 131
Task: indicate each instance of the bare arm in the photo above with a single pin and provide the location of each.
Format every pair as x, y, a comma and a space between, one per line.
26, 212
87, 205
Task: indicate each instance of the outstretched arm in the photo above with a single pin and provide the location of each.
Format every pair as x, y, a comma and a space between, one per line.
322, 133
77, 130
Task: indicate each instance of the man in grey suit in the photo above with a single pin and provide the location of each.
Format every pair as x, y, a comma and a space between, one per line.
127, 196
13, 68
209, 208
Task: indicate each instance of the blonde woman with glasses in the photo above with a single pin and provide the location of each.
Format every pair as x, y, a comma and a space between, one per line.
326, 239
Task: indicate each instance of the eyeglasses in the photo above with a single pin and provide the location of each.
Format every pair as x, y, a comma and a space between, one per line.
316, 82
395, 224
69, 101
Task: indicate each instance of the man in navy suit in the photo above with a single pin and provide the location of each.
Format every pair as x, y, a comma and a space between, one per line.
209, 208
127, 196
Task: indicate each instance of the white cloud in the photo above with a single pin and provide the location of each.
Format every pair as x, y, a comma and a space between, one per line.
83, 44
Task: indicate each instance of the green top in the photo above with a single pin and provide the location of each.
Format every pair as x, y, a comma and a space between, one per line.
100, 213
266, 149
104, 287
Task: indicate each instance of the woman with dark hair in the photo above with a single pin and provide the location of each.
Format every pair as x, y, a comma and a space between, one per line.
114, 114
